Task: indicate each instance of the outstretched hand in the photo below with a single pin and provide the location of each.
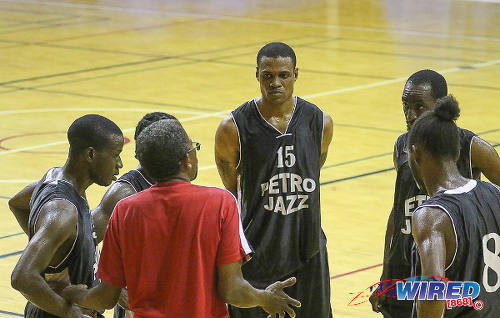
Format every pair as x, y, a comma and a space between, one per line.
277, 302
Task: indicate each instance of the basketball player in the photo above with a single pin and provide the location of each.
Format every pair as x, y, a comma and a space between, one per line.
420, 93
275, 145
62, 245
128, 184
457, 230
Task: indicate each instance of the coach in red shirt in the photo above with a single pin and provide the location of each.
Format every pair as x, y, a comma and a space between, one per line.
178, 247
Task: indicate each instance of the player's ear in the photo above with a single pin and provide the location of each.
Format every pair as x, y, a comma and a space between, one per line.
296, 73
90, 154
415, 152
185, 163
257, 73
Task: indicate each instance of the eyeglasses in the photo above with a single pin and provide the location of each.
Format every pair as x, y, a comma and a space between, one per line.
196, 146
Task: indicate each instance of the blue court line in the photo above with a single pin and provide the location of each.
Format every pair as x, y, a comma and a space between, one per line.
11, 254
11, 313
4, 197
11, 235
357, 176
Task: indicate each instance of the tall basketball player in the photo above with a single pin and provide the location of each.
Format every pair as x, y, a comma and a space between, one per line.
269, 152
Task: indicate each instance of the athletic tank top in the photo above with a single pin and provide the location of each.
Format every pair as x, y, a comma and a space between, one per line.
475, 213
407, 197
81, 261
279, 188
136, 179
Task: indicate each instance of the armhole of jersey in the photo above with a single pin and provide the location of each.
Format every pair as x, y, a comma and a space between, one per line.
454, 229
239, 141
147, 181
322, 129
470, 155
76, 237
129, 183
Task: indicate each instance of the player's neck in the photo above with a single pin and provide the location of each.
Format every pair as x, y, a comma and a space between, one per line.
181, 176
268, 109
145, 174
443, 175
73, 173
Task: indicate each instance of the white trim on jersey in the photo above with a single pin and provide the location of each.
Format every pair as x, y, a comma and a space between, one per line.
323, 126
244, 243
239, 138
150, 184
463, 189
76, 236
288, 124
470, 155
130, 184
452, 223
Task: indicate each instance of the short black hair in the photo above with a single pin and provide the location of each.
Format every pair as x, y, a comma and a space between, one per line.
276, 49
160, 147
91, 131
439, 88
150, 118
436, 130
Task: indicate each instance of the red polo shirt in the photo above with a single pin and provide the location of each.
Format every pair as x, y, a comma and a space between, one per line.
164, 244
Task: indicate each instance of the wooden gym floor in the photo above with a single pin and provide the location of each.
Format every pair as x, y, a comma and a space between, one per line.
195, 59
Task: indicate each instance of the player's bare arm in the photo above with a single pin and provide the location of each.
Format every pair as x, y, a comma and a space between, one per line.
102, 296
227, 153
485, 158
102, 213
327, 137
19, 204
55, 231
235, 290
435, 239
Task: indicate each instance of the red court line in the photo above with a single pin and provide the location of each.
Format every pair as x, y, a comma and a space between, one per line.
355, 271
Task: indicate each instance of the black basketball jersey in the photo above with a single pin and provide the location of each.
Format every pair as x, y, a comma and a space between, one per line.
279, 188
475, 213
407, 197
136, 179
139, 182
81, 261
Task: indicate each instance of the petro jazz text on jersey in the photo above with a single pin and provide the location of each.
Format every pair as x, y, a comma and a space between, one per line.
287, 192
410, 205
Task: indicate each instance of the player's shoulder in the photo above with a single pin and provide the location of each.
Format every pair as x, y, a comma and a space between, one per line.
400, 142
304, 103
243, 107
466, 134
58, 214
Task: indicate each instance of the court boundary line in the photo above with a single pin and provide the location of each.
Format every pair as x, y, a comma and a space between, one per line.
201, 116
156, 58
10, 313
254, 20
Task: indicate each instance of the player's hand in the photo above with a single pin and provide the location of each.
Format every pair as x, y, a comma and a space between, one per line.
277, 302
75, 312
377, 300
123, 300
74, 293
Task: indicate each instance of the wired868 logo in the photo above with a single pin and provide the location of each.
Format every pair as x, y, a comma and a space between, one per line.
424, 288
439, 288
